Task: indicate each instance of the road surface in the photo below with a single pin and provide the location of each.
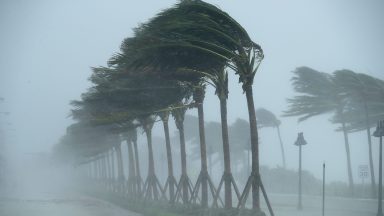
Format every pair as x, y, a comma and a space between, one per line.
286, 205
59, 204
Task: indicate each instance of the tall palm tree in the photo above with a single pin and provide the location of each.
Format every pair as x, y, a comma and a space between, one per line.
319, 95
142, 93
219, 80
267, 119
184, 183
131, 165
171, 181
201, 28
362, 91
151, 186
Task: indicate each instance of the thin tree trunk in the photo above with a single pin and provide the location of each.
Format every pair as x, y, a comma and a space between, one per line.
100, 169
373, 180
113, 167
151, 162
120, 171
137, 163
164, 118
199, 98
226, 152
103, 168
109, 167
350, 177
94, 167
281, 147
254, 146
180, 126
131, 167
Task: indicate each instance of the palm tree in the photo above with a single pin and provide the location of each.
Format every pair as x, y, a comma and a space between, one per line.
184, 182
362, 91
131, 164
200, 28
267, 119
219, 80
139, 180
171, 181
319, 95
141, 94
214, 144
240, 138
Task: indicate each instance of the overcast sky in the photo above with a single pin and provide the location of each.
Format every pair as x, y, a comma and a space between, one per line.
47, 48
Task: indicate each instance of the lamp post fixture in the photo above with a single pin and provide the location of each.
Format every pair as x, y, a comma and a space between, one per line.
380, 133
300, 142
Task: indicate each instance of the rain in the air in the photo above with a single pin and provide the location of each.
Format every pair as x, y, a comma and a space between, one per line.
191, 108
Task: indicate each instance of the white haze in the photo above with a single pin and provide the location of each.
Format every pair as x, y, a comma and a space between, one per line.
47, 48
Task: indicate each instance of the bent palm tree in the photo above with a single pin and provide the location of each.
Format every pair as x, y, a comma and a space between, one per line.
320, 95
267, 119
362, 92
203, 29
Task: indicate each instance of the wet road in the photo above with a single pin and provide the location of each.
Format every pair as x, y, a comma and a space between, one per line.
54, 204
75, 204
286, 205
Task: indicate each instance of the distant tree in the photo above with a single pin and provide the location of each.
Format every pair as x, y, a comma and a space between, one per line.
363, 95
266, 118
214, 147
240, 139
319, 95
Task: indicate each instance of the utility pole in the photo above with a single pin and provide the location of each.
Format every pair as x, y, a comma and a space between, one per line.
300, 142
323, 190
380, 133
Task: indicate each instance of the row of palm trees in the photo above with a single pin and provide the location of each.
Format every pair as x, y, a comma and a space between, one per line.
356, 101
163, 70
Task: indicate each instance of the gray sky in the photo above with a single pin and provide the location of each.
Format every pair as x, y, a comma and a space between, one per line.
48, 47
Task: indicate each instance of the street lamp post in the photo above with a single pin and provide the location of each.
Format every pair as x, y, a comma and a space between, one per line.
380, 133
300, 142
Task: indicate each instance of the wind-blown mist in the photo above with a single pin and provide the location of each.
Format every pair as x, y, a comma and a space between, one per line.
51, 51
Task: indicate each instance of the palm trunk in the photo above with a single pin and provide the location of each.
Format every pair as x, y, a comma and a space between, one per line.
109, 169
183, 154
373, 180
131, 167
120, 172
164, 118
113, 166
137, 163
227, 157
151, 179
254, 146
346, 143
103, 168
281, 147
151, 162
94, 166
199, 98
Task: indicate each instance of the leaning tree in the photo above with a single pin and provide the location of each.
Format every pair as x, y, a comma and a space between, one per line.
319, 95
200, 27
267, 119
363, 95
